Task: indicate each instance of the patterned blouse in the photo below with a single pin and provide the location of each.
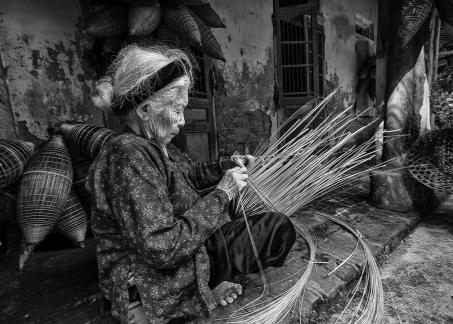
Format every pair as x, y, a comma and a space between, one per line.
149, 218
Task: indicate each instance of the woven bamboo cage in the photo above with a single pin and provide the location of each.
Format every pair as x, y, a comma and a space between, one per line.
73, 220
144, 18
109, 21
208, 15
209, 43
445, 8
413, 15
430, 160
88, 139
181, 22
44, 190
14, 155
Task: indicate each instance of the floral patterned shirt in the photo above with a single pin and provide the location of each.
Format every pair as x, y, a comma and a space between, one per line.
149, 218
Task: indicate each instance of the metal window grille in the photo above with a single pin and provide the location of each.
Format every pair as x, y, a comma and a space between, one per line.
199, 88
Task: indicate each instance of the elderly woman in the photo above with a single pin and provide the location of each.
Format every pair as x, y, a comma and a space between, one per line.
161, 245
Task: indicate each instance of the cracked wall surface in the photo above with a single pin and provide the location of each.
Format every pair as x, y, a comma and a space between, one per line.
245, 83
46, 61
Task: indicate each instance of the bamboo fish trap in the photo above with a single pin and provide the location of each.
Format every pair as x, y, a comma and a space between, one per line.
144, 18
73, 220
14, 155
306, 163
43, 191
86, 138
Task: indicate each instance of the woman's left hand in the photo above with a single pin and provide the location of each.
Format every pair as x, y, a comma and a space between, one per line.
243, 160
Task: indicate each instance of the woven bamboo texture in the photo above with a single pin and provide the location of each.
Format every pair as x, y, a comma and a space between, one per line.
81, 163
430, 160
209, 43
88, 139
144, 18
166, 36
109, 21
14, 155
208, 15
413, 15
73, 220
445, 8
181, 22
44, 190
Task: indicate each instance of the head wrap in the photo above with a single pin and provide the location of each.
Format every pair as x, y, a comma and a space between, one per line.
161, 79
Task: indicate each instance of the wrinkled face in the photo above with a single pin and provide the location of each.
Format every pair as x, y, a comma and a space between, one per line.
165, 117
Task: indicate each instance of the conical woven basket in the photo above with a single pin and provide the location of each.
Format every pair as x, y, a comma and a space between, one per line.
413, 15
181, 22
144, 18
86, 138
430, 160
445, 8
44, 189
209, 43
73, 220
14, 155
110, 21
208, 15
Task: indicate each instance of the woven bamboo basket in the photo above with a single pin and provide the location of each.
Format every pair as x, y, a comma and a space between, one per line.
208, 15
144, 18
181, 22
413, 15
110, 21
73, 221
44, 190
88, 139
14, 155
209, 43
445, 8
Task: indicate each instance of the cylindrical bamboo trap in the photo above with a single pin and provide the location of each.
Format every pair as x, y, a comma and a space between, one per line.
44, 190
108, 21
181, 22
73, 220
144, 18
208, 15
14, 155
209, 43
86, 138
81, 164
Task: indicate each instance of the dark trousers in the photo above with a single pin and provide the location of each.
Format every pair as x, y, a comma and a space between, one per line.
230, 250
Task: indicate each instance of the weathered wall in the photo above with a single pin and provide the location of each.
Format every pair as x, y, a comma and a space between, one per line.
245, 83
45, 58
342, 64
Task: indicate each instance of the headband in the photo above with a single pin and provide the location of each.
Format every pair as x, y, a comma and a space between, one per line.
161, 79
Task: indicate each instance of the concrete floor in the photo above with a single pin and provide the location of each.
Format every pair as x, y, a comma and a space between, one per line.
418, 276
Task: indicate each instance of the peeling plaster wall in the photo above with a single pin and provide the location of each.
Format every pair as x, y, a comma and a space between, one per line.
47, 74
342, 66
245, 83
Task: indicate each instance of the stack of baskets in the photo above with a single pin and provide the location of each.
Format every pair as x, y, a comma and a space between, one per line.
47, 184
176, 23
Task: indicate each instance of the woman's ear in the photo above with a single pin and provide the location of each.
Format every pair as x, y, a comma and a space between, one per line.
143, 112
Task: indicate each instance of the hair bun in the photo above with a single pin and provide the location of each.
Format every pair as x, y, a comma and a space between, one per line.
103, 96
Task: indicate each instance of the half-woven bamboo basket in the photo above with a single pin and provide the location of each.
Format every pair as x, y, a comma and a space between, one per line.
14, 155
109, 21
413, 15
144, 18
73, 220
44, 190
88, 139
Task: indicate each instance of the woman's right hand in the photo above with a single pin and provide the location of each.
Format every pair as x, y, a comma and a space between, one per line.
233, 181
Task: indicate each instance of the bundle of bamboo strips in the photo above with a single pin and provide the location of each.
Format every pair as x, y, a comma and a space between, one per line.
306, 163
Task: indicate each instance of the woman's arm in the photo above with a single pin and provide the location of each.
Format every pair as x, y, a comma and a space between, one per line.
139, 200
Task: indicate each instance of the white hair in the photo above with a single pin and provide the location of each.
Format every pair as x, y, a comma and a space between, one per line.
129, 72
